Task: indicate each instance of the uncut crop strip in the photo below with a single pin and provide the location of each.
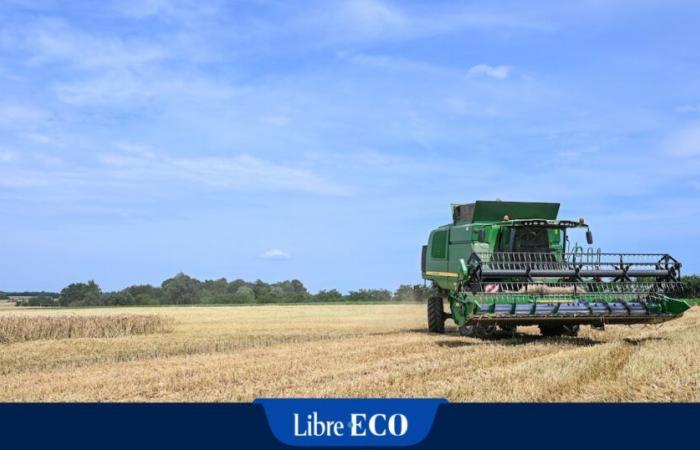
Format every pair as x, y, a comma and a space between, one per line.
20, 328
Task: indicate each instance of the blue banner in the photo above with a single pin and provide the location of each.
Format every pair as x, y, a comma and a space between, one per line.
429, 424
350, 422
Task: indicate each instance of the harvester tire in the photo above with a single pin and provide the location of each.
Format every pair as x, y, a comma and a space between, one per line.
436, 316
559, 330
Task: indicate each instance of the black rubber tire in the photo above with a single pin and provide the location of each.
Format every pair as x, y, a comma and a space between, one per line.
436, 316
559, 330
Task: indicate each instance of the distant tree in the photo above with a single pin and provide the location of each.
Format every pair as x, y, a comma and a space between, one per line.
220, 285
328, 296
274, 295
234, 285
299, 292
120, 298
145, 294
145, 299
39, 300
78, 294
244, 294
413, 293
261, 290
293, 291
181, 290
28, 294
369, 295
405, 293
423, 292
691, 286
216, 291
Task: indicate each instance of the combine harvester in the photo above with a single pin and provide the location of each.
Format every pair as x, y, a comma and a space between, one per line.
504, 264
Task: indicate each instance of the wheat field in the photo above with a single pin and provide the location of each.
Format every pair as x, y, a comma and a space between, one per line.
24, 327
238, 353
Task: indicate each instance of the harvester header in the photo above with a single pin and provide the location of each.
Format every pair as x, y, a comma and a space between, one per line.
504, 264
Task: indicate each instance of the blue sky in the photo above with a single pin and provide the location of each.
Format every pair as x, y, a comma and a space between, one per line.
323, 140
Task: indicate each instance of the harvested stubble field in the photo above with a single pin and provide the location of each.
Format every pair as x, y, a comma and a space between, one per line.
240, 353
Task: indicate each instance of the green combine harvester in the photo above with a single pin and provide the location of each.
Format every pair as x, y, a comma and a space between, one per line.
504, 264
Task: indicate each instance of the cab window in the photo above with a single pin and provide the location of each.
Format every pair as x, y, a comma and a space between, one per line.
438, 248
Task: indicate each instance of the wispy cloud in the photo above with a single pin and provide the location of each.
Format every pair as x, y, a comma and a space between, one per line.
114, 68
685, 142
362, 20
170, 9
140, 88
484, 70
139, 167
275, 254
689, 108
7, 156
373, 17
54, 41
242, 172
13, 113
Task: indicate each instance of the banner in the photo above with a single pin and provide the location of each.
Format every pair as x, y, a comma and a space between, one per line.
348, 423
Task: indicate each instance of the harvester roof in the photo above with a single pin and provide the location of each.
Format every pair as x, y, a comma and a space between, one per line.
494, 211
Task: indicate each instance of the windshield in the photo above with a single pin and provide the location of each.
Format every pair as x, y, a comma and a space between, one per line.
525, 240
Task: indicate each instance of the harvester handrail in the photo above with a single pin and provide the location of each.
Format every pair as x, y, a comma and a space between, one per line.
572, 255
578, 265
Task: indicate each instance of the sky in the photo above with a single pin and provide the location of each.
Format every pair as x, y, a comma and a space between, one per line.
323, 140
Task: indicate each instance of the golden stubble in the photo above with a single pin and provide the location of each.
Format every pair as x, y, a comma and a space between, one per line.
239, 353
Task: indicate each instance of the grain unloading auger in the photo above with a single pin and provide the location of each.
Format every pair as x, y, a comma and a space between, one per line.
504, 264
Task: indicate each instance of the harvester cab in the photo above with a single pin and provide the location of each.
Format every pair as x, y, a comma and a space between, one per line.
504, 264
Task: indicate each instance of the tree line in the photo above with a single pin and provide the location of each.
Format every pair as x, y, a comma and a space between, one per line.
185, 290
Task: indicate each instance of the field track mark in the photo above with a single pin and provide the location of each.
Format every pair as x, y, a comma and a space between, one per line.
604, 367
16, 364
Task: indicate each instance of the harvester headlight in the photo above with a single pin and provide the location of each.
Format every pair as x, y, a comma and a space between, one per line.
506, 218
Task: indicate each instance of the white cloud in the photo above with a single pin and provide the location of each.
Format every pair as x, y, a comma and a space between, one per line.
278, 120
122, 69
38, 138
373, 17
47, 160
138, 87
144, 8
142, 168
689, 108
276, 254
53, 41
484, 70
11, 113
242, 172
181, 9
7, 156
685, 142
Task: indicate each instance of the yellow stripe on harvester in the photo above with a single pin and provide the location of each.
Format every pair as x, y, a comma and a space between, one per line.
443, 274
